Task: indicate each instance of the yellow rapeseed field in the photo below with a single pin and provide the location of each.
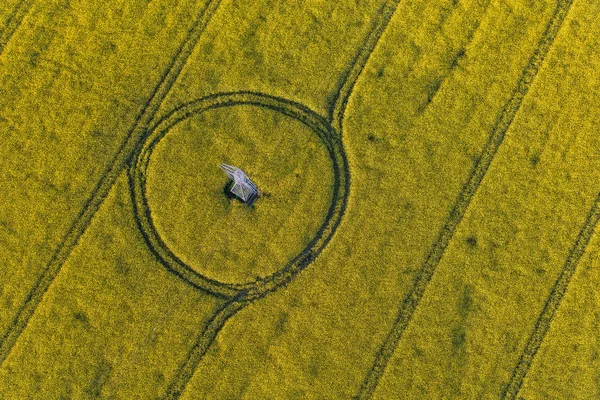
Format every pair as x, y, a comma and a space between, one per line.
429, 174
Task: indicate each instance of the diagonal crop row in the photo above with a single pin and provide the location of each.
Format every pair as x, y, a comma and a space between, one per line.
348, 80
553, 301
13, 22
136, 132
201, 346
501, 126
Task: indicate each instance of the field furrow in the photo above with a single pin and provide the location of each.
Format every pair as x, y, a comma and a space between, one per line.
566, 364
350, 76
201, 346
553, 301
591, 55
285, 49
11, 16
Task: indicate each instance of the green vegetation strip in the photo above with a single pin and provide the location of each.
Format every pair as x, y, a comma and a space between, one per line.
136, 133
552, 303
13, 22
503, 122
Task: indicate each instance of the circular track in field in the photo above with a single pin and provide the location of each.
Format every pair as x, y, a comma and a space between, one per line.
328, 136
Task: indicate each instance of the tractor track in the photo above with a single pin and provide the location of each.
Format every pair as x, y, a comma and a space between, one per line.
145, 116
553, 301
203, 343
347, 81
14, 22
501, 126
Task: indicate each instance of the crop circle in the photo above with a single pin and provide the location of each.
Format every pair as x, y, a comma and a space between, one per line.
328, 137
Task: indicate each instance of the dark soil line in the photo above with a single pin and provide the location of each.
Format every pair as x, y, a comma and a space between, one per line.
203, 343
553, 301
14, 22
348, 80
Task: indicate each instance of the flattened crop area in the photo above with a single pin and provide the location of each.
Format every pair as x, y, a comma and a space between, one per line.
430, 191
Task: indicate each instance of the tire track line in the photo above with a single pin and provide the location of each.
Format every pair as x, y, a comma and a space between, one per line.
348, 80
135, 134
201, 346
503, 122
13, 22
552, 302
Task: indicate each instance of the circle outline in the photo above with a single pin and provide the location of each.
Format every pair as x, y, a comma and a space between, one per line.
257, 288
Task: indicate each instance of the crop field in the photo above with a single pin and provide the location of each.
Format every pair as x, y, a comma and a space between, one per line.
430, 190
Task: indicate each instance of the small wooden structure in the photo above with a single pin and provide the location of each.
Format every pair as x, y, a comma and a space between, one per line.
243, 187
